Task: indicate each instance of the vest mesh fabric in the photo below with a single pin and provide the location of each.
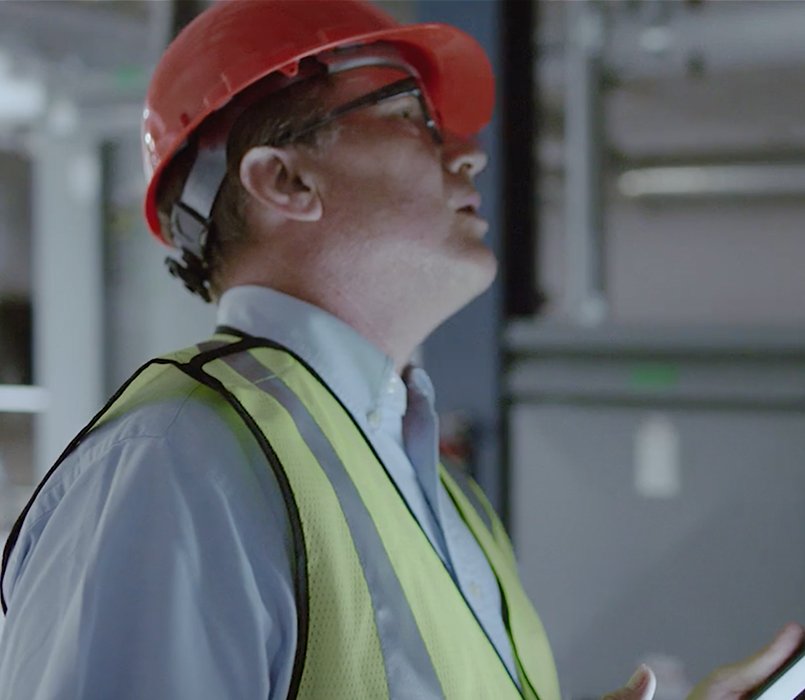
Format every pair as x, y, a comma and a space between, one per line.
344, 659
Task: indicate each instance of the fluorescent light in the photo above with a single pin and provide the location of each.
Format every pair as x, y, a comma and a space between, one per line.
21, 99
22, 399
784, 179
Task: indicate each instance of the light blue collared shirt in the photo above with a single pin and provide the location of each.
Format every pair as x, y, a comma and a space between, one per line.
156, 562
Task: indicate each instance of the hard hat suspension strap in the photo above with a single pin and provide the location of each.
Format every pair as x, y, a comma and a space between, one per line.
191, 217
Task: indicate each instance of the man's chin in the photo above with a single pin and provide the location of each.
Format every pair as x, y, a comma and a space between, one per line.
480, 274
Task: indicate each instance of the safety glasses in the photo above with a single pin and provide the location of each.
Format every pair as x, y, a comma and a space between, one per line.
393, 91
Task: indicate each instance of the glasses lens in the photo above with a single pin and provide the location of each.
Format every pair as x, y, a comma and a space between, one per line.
404, 96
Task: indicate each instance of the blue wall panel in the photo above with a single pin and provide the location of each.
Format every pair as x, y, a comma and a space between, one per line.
463, 355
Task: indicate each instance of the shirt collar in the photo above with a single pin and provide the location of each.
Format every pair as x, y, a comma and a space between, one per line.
359, 374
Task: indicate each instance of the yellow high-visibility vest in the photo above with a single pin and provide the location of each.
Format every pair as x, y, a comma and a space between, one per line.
379, 615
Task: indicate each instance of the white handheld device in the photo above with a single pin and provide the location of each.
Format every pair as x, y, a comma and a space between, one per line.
788, 683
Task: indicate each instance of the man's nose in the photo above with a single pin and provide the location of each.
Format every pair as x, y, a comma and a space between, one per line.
463, 155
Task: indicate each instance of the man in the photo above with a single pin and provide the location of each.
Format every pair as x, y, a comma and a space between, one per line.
264, 515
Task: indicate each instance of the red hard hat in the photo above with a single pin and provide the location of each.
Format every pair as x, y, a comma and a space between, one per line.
237, 42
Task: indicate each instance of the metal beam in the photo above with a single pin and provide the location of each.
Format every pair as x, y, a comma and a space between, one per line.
518, 109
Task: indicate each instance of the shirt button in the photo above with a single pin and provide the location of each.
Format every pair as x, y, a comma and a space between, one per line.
374, 418
393, 385
475, 590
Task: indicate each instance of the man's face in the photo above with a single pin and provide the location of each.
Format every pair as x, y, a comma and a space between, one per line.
401, 207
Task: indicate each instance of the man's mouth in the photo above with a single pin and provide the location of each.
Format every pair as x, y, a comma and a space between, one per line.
470, 204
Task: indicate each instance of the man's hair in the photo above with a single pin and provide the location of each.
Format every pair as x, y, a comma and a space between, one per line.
267, 122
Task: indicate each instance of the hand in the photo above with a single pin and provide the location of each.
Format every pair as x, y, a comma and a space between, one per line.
733, 682
640, 686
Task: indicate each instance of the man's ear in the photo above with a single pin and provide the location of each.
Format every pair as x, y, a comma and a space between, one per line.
277, 178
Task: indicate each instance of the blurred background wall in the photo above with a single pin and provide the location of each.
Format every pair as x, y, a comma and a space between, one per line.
640, 421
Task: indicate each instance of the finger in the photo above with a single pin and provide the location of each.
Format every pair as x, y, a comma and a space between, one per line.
742, 677
640, 686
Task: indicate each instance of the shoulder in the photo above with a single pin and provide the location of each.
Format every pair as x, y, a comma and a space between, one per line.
186, 461
161, 514
164, 435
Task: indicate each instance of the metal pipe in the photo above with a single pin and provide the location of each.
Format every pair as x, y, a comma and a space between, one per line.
585, 301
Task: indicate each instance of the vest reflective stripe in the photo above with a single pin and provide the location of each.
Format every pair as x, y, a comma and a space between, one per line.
409, 669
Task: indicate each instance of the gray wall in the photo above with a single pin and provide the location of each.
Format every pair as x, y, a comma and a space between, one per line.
706, 576
727, 262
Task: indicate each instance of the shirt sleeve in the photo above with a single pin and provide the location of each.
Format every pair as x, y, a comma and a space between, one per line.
155, 564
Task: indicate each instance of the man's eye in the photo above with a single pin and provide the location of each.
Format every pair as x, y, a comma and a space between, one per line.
408, 111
